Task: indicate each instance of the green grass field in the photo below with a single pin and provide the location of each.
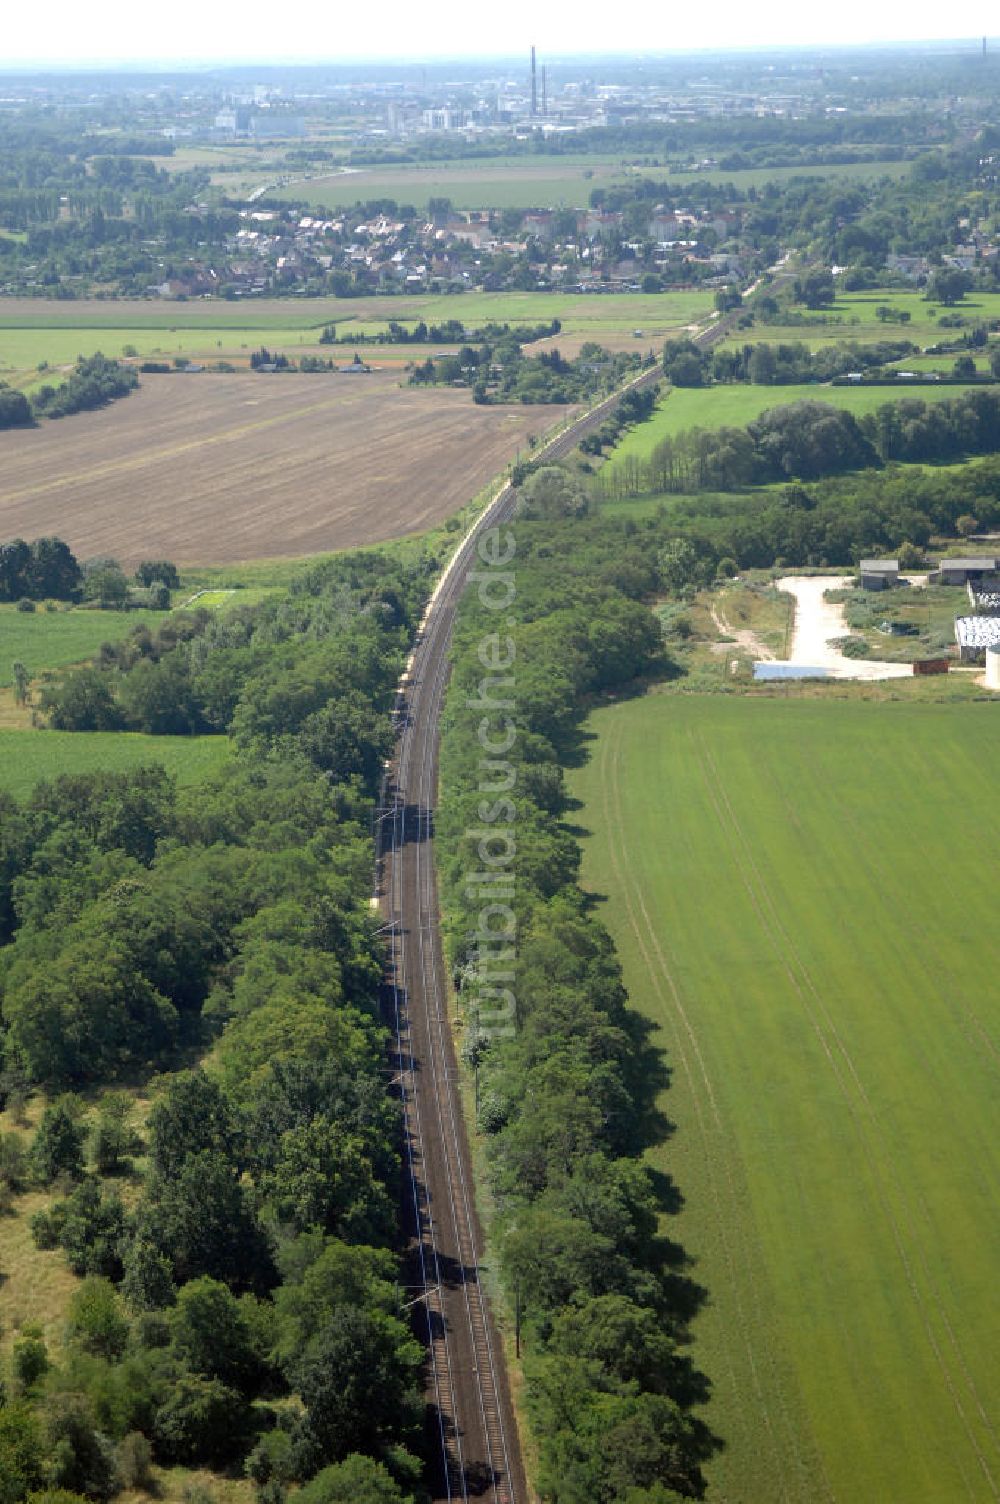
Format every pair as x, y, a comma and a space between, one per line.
56, 332
28, 756
737, 405
853, 317
51, 639
801, 896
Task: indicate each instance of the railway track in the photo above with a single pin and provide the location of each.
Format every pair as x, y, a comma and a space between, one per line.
473, 1439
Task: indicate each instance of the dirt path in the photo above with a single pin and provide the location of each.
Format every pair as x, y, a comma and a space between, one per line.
818, 620
743, 637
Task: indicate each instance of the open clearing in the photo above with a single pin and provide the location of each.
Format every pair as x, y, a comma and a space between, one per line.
50, 639
853, 317
803, 904
27, 756
213, 469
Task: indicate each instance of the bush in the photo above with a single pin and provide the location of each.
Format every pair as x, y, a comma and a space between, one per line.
202, 1421
115, 1140
135, 1461
356, 1480
14, 1162
30, 1359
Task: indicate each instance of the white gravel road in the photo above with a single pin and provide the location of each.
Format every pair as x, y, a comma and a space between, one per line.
818, 620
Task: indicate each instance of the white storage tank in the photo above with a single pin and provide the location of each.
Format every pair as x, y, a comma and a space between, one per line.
993, 666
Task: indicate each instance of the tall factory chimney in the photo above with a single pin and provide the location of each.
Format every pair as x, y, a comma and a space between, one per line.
534, 85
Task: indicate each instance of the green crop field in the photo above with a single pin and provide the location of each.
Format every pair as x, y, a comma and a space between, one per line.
800, 893
533, 182
28, 756
737, 405
43, 639
756, 177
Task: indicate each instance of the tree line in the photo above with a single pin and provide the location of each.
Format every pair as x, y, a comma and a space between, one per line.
566, 1097
789, 363
502, 372
808, 440
239, 1305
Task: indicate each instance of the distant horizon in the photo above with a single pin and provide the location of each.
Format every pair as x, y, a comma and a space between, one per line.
161, 64
118, 39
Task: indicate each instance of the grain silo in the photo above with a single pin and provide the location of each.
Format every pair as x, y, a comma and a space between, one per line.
993, 666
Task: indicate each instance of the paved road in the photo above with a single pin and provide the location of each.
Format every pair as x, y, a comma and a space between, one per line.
473, 1435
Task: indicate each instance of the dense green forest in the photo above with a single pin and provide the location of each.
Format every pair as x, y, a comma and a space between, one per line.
239, 1305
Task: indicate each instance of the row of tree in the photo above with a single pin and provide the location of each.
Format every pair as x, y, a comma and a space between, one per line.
502, 372
566, 1089
807, 440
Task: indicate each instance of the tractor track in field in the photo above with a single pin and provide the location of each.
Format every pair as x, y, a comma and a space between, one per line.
881, 1164
657, 966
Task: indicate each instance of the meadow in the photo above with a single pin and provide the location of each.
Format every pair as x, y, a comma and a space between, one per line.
853, 317
51, 639
798, 895
28, 756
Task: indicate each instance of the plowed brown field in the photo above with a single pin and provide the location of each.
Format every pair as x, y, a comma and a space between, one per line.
213, 469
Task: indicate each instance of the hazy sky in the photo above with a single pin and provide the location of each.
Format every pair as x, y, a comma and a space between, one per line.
66, 31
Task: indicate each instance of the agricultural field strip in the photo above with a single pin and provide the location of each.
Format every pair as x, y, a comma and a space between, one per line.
871, 1131
154, 454
182, 470
906, 1215
738, 1252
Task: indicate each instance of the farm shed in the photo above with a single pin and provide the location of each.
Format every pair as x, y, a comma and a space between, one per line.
975, 634
879, 574
960, 571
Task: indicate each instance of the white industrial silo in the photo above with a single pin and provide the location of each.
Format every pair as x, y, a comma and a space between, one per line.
993, 666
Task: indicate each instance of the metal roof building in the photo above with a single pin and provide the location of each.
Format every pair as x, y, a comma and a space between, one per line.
974, 634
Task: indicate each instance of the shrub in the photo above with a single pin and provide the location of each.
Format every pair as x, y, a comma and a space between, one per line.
58, 1145
135, 1460
201, 1421
30, 1359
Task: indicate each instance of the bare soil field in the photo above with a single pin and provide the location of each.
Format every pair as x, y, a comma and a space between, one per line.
219, 468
